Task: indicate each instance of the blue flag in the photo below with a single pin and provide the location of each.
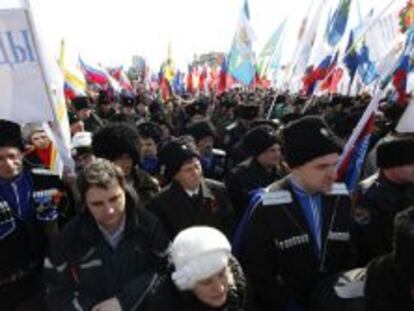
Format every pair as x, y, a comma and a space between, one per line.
337, 24
351, 60
241, 59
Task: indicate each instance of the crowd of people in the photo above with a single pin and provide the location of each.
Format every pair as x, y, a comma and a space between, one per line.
211, 202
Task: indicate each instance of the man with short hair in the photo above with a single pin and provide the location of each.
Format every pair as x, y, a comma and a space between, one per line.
108, 256
299, 231
29, 213
384, 194
189, 199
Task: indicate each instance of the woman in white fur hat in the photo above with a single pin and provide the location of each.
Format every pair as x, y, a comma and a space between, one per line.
205, 276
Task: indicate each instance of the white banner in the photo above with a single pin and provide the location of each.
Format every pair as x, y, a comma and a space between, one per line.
23, 93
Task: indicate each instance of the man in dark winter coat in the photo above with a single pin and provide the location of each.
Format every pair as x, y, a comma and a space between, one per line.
263, 167
29, 201
383, 195
300, 228
119, 143
108, 256
390, 278
189, 199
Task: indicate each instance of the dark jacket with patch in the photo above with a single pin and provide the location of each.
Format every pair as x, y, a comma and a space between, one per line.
386, 287
246, 177
83, 269
28, 206
177, 211
382, 200
279, 255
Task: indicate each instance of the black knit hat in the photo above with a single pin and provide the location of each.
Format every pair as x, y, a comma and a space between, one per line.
403, 249
115, 140
201, 129
174, 154
258, 139
199, 107
103, 98
73, 117
308, 138
150, 130
81, 102
127, 101
395, 151
10, 135
248, 112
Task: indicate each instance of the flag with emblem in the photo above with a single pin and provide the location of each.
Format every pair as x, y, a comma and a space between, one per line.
241, 60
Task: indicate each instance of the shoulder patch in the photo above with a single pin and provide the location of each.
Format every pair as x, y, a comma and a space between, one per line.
231, 126
42, 171
277, 197
219, 152
339, 189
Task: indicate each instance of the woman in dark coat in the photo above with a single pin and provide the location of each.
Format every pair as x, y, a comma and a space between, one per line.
205, 276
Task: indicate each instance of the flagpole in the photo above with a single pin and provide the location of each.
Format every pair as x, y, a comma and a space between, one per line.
56, 139
360, 38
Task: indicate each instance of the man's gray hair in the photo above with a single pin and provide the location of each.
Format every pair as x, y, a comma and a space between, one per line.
99, 173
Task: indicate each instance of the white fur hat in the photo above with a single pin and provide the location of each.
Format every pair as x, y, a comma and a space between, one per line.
198, 253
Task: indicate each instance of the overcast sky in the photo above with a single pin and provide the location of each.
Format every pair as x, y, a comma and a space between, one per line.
110, 32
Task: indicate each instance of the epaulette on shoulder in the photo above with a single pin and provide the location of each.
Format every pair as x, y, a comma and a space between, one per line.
277, 197
219, 152
339, 189
231, 126
43, 171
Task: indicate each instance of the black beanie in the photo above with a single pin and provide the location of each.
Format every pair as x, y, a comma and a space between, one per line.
81, 102
395, 151
10, 135
308, 138
201, 129
174, 154
150, 130
248, 112
259, 139
403, 248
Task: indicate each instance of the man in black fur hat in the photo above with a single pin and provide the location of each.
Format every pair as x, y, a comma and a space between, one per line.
82, 107
263, 167
384, 194
299, 229
119, 143
29, 213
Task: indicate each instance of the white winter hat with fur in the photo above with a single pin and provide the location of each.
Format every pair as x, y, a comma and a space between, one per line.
198, 253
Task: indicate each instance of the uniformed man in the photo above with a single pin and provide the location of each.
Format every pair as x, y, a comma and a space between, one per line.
384, 194
299, 231
29, 213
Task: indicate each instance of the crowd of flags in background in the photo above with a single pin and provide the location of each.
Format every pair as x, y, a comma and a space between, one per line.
376, 55
329, 57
